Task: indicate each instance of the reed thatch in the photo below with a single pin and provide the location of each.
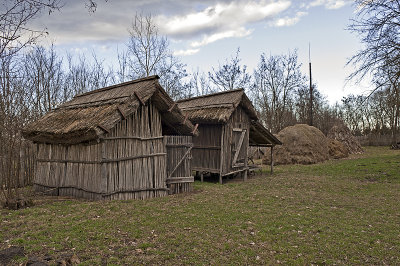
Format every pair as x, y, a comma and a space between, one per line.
217, 107
90, 115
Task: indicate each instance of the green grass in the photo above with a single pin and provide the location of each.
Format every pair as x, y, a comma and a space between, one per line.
338, 212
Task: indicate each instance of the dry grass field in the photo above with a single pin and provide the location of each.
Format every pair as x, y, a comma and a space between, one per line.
338, 212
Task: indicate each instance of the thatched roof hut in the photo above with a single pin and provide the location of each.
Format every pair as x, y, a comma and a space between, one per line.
228, 125
108, 143
90, 115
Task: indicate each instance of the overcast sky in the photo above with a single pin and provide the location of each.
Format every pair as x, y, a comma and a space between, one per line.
204, 33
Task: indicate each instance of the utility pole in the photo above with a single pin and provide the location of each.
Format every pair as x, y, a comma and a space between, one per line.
311, 86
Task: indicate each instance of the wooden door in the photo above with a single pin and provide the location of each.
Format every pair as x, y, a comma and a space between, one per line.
179, 171
239, 152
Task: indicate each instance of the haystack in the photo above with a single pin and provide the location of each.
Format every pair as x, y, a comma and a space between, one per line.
343, 134
337, 150
302, 144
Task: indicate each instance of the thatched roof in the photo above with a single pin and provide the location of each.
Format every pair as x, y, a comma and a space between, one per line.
260, 136
217, 107
90, 115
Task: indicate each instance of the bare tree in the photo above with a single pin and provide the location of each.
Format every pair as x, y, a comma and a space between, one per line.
378, 24
15, 33
43, 74
276, 78
148, 54
230, 75
200, 84
146, 48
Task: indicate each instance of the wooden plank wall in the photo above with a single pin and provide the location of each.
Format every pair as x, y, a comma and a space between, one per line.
128, 163
239, 119
178, 148
207, 149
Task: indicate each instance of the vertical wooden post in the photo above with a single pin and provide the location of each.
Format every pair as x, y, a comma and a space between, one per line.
202, 176
246, 157
103, 169
165, 170
21, 176
272, 160
245, 175
222, 154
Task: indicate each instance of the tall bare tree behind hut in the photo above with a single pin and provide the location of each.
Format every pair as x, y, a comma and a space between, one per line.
231, 75
276, 79
378, 25
148, 54
200, 84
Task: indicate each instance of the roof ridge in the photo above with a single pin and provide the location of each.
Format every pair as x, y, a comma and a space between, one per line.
118, 85
222, 105
210, 95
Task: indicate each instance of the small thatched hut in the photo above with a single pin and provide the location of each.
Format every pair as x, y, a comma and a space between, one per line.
108, 143
228, 125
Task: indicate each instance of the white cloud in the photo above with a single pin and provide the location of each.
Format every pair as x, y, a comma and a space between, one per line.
186, 52
219, 21
329, 4
335, 4
241, 32
288, 21
221, 17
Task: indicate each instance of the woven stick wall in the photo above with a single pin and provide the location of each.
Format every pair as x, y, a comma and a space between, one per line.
128, 163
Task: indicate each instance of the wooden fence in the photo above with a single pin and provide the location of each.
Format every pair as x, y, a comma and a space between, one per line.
376, 140
27, 163
179, 173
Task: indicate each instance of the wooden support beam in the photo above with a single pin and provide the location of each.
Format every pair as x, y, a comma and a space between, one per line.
272, 160
103, 169
202, 176
188, 145
207, 147
132, 137
121, 112
103, 128
135, 190
140, 99
133, 157
179, 163
195, 128
222, 154
102, 160
236, 172
184, 120
179, 180
172, 107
